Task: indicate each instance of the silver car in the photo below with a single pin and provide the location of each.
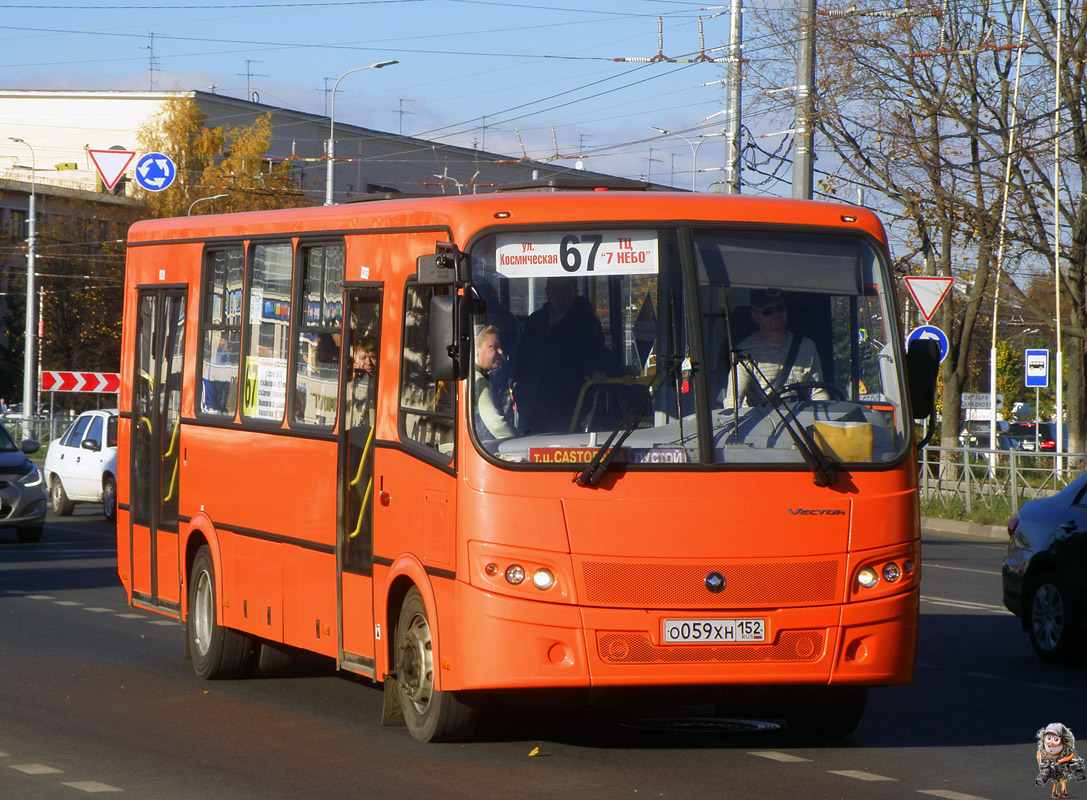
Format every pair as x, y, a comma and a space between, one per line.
22, 489
81, 466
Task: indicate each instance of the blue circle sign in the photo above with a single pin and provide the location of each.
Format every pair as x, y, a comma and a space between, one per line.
155, 172
930, 332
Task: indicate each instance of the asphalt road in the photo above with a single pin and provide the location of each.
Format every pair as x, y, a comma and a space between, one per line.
97, 697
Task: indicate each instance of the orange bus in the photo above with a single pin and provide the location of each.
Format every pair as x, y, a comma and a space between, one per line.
475, 444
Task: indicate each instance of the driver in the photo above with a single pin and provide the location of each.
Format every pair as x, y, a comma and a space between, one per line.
782, 357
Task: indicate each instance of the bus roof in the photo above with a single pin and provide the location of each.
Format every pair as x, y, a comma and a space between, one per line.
467, 214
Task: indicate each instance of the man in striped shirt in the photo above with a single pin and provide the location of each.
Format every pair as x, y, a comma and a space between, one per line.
771, 347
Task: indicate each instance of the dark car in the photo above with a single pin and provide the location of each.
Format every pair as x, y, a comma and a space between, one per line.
1045, 573
975, 433
22, 489
1044, 433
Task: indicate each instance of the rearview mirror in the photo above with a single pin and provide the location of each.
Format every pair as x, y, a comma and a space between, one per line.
922, 365
446, 266
448, 343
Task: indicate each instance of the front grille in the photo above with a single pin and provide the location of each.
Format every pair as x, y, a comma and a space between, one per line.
764, 584
637, 648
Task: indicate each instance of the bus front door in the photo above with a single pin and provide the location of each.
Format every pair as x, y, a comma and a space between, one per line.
361, 373
156, 434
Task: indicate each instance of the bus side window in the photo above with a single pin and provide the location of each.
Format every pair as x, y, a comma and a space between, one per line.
426, 405
318, 320
221, 321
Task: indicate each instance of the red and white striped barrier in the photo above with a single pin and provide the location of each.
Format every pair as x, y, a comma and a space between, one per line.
109, 382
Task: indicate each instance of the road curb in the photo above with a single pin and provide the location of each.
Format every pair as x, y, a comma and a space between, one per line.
938, 525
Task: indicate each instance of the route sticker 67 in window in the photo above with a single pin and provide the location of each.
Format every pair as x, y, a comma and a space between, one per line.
546, 254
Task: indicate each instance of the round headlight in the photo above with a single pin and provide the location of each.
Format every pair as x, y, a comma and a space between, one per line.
543, 579
891, 572
491, 570
867, 577
515, 574
907, 567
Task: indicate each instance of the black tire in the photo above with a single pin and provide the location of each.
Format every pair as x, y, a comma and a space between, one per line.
109, 498
430, 715
29, 534
58, 498
216, 652
1053, 622
827, 711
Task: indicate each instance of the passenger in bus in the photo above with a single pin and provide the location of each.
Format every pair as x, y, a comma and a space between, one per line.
363, 381
490, 424
562, 346
781, 356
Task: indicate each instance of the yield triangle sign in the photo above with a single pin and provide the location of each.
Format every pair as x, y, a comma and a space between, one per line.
928, 292
111, 164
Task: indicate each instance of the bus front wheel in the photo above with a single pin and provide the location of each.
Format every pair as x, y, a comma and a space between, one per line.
430, 715
216, 652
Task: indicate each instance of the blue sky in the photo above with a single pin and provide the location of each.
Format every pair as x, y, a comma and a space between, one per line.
470, 72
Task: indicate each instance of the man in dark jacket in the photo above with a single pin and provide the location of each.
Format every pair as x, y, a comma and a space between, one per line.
562, 346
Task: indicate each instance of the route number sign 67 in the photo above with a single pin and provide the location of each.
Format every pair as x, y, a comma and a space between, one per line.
546, 254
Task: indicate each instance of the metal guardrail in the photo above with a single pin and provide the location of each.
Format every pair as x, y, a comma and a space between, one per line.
994, 479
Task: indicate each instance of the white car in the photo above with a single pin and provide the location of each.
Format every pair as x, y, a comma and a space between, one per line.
81, 466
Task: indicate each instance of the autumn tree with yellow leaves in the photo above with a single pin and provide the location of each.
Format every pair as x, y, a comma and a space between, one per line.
210, 161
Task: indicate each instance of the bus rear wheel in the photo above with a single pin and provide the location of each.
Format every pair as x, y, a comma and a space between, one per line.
430, 715
216, 652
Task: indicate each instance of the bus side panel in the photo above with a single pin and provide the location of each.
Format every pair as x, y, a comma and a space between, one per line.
309, 600
358, 625
253, 598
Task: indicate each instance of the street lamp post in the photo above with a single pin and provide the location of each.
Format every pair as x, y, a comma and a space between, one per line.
694, 150
29, 344
332, 124
202, 199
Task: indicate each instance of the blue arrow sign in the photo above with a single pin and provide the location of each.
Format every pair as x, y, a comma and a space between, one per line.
930, 332
155, 172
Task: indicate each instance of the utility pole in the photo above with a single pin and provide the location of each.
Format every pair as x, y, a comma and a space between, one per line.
803, 169
732, 129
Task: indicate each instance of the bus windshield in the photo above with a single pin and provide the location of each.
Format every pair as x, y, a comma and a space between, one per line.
696, 346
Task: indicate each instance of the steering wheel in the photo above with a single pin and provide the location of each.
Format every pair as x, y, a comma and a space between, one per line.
795, 389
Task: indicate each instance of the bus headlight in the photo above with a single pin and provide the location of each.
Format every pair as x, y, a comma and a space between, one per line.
891, 572
543, 579
515, 573
867, 577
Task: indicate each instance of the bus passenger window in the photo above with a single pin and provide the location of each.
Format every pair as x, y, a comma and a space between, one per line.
268, 339
317, 362
221, 318
426, 405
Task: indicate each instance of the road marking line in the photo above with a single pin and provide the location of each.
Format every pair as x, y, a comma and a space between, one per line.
776, 756
1049, 687
35, 769
926, 565
97, 609
40, 597
67, 603
131, 616
4, 755
945, 601
92, 786
164, 622
950, 795
859, 775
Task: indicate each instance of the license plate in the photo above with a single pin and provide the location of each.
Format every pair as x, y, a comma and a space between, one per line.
713, 631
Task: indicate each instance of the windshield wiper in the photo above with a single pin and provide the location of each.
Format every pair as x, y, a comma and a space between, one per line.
822, 467
595, 470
